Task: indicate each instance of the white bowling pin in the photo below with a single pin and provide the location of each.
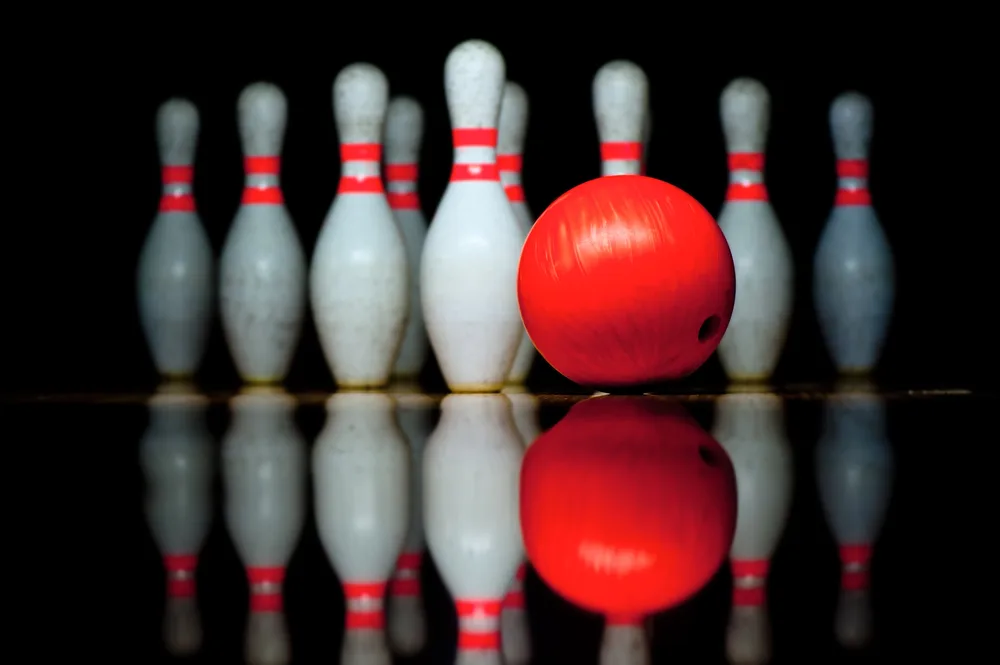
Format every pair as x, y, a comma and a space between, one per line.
854, 281
264, 474
360, 470
263, 273
468, 269
358, 283
752, 345
620, 97
510, 149
407, 620
624, 642
404, 132
177, 455
751, 427
854, 466
175, 275
472, 467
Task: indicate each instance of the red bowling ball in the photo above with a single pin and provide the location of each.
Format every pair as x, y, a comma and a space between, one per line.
625, 280
628, 506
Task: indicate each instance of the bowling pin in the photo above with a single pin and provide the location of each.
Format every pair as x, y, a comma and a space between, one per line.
175, 276
510, 146
264, 475
854, 283
751, 427
404, 132
472, 467
624, 642
360, 468
262, 267
407, 620
621, 97
854, 468
752, 345
468, 269
358, 282
177, 455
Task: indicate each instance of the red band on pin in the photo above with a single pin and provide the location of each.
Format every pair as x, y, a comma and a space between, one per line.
404, 200
522, 572
409, 561
262, 165
263, 196
469, 641
266, 602
466, 608
509, 163
177, 174
514, 600
749, 596
855, 580
180, 588
401, 172
358, 590
266, 574
365, 620
852, 168
624, 620
853, 197
753, 191
482, 137
746, 161
515, 193
183, 202
360, 184
460, 172
405, 586
749, 567
175, 563
858, 553
621, 150
360, 152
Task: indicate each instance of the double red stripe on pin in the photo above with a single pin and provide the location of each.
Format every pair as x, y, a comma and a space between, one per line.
852, 168
373, 619
481, 640
746, 191
263, 194
621, 151
406, 581
478, 137
402, 173
180, 574
177, 201
511, 164
369, 183
266, 601
856, 560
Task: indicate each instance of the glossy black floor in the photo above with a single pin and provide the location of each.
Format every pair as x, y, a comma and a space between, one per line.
105, 582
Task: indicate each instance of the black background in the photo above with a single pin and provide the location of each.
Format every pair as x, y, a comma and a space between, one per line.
95, 189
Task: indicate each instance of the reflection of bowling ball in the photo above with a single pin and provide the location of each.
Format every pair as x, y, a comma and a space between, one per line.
627, 505
625, 280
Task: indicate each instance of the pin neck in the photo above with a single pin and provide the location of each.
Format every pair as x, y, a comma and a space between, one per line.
515, 595
510, 176
621, 158
401, 183
855, 561
746, 177
406, 576
266, 584
262, 185
365, 609
475, 154
360, 171
178, 191
180, 574
852, 183
478, 625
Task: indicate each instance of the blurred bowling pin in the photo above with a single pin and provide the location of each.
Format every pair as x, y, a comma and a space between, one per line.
854, 467
404, 132
510, 148
468, 269
358, 282
620, 97
360, 467
472, 467
177, 458
752, 345
854, 283
407, 621
176, 279
263, 268
751, 427
625, 642
264, 473
647, 136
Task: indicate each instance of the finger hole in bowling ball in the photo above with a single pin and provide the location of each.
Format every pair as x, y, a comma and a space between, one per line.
708, 329
707, 456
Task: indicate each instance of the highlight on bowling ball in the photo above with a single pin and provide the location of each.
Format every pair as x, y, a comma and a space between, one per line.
625, 280
628, 506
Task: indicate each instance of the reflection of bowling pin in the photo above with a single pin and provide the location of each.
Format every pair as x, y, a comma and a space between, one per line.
263, 268
468, 269
624, 642
404, 131
525, 408
854, 275
358, 280
750, 426
854, 466
360, 478
752, 345
175, 277
264, 472
407, 621
510, 146
472, 467
177, 456
620, 97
